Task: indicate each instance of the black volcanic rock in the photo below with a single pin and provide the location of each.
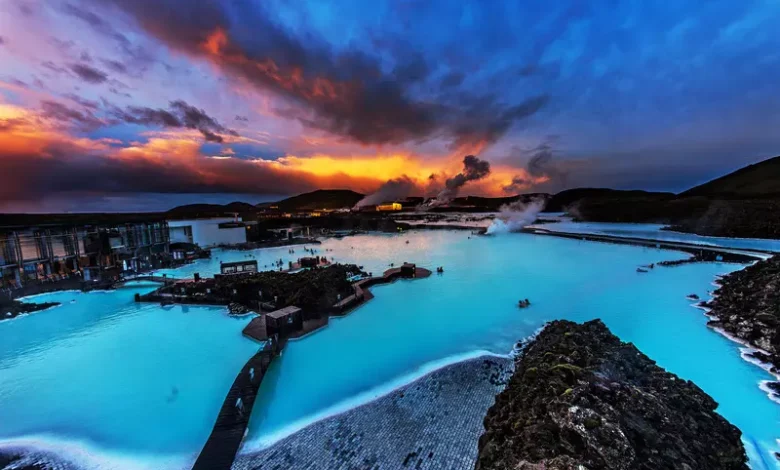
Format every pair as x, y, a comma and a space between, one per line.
581, 398
14, 308
747, 306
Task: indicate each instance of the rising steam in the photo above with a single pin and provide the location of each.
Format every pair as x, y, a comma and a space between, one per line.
473, 169
516, 216
393, 190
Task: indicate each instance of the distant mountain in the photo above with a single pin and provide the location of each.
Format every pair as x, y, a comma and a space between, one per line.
319, 199
211, 210
495, 203
564, 199
757, 181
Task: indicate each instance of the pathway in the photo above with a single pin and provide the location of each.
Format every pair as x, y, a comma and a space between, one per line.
225, 439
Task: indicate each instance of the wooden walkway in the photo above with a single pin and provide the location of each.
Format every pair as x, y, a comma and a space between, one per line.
228, 432
225, 439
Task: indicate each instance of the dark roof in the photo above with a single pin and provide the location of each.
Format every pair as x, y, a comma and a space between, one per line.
239, 263
283, 312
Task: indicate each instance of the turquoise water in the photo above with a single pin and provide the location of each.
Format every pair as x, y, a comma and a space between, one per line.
125, 381
116, 364
654, 232
472, 307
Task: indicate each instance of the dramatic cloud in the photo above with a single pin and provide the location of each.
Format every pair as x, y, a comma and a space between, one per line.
180, 114
345, 93
542, 167
650, 95
89, 73
60, 112
30, 158
133, 52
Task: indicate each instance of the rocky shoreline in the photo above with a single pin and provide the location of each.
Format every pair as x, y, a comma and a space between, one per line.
14, 308
581, 398
746, 306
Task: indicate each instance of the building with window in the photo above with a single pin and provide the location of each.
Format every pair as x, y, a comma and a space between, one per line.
393, 206
208, 233
48, 252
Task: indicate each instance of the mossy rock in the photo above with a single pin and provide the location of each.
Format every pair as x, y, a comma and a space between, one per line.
592, 423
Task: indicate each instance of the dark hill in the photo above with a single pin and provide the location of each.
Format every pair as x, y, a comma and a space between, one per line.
211, 210
564, 199
494, 203
757, 181
319, 199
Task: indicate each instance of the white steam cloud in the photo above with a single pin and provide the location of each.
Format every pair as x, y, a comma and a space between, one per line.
393, 190
515, 216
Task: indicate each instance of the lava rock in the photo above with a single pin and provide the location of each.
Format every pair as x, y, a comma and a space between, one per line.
237, 309
14, 308
747, 306
581, 398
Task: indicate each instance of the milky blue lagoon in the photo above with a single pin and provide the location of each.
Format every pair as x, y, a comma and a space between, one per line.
134, 383
103, 370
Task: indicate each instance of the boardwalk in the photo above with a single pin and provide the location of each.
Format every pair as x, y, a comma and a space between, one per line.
706, 252
225, 439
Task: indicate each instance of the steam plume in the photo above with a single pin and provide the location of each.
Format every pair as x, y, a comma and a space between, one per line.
392, 190
516, 216
473, 169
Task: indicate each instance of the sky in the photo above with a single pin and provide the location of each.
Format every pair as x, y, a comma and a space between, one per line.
146, 104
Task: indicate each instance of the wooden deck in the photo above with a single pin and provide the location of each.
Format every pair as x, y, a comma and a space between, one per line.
228, 432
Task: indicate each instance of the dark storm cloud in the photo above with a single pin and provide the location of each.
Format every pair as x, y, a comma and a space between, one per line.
179, 115
346, 93
483, 125
89, 73
542, 163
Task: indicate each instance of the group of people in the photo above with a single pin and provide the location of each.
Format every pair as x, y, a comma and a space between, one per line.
524, 303
440, 269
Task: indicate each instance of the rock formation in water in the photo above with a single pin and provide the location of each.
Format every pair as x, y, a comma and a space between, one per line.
14, 308
747, 306
581, 398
